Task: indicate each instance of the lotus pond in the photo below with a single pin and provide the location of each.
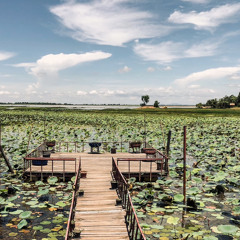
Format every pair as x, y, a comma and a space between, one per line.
33, 210
213, 143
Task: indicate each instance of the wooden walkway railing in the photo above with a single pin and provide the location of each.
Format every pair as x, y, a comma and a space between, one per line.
70, 224
83, 146
29, 161
140, 160
134, 228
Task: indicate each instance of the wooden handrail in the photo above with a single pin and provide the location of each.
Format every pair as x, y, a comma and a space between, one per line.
49, 159
73, 203
124, 194
139, 159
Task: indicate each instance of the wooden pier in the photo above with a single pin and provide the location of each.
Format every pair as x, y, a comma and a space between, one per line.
96, 214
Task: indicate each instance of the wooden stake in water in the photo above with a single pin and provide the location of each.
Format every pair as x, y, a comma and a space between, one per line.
184, 163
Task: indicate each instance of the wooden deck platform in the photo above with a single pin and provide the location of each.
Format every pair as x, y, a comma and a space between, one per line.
97, 215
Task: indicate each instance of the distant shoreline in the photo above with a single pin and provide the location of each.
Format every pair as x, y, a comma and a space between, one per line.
89, 106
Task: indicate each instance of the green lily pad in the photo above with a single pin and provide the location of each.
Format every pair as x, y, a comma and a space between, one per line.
52, 180
25, 214
16, 212
228, 229
210, 238
22, 224
173, 220
61, 204
178, 198
45, 222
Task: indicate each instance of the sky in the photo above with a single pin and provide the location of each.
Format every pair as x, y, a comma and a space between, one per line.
115, 51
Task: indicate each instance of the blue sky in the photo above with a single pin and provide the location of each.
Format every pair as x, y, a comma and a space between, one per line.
115, 51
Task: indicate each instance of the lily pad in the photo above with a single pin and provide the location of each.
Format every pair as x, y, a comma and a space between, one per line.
228, 229
22, 224
25, 214
178, 197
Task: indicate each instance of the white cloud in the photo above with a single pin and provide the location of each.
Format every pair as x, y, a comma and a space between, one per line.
51, 64
4, 92
193, 86
202, 50
125, 69
107, 22
209, 19
197, 1
167, 52
151, 69
167, 68
6, 55
24, 65
209, 74
82, 93
235, 77
32, 87
162, 53
127, 93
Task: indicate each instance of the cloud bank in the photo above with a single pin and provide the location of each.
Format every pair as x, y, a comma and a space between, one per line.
169, 51
51, 64
207, 20
209, 74
107, 22
197, 1
6, 55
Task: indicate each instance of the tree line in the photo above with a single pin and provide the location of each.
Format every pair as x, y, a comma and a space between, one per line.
225, 102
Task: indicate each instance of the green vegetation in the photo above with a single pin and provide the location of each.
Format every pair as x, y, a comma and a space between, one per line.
213, 143
225, 102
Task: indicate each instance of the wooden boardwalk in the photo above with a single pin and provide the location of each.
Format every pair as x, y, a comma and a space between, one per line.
97, 215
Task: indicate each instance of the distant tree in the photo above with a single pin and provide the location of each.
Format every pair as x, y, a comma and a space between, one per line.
199, 105
212, 103
156, 104
145, 100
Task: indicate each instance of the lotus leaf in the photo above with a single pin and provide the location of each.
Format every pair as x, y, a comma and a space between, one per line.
178, 198
173, 220
38, 227
193, 191
43, 192
61, 204
45, 222
33, 202
25, 214
39, 183
22, 224
228, 229
52, 180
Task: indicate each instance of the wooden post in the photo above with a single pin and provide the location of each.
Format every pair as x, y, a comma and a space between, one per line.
121, 143
44, 128
3, 154
184, 163
145, 133
167, 151
168, 142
